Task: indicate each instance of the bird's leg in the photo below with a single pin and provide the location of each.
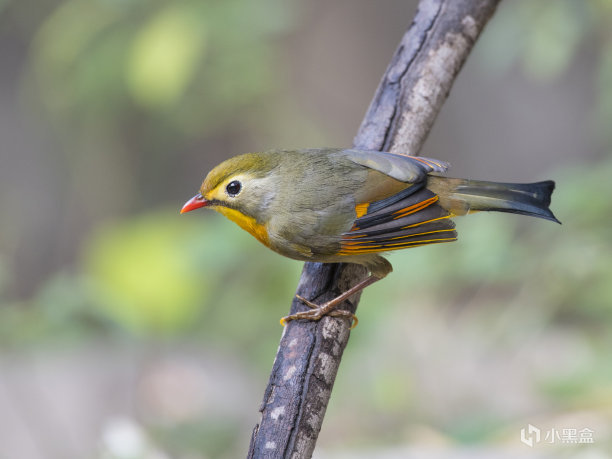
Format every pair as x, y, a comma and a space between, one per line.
328, 308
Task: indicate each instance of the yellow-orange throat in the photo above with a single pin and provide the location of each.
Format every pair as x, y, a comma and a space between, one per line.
249, 224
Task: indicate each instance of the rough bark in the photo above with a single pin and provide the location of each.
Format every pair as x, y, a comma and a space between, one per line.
403, 110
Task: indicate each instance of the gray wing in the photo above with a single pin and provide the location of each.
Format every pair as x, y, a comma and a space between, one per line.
408, 169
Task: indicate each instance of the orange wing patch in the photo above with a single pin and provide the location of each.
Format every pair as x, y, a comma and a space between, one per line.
415, 207
409, 219
361, 209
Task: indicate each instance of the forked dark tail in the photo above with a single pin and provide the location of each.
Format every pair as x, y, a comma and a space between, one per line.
464, 196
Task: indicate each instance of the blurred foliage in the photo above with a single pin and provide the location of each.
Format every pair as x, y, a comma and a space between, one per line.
125, 86
143, 275
188, 64
542, 36
158, 273
545, 37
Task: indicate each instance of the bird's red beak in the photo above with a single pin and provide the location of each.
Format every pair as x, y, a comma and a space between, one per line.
195, 203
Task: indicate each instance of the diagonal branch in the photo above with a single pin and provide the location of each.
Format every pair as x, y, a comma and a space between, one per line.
403, 110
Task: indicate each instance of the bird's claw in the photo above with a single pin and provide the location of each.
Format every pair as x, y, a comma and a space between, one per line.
318, 311
309, 303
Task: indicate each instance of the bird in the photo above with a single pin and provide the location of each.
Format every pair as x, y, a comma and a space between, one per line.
334, 205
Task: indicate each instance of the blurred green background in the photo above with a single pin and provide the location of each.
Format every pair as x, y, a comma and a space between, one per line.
128, 331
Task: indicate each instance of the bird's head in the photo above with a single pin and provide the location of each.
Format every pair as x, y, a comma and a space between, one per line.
241, 188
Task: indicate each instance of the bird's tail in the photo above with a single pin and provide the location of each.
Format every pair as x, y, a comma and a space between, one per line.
461, 196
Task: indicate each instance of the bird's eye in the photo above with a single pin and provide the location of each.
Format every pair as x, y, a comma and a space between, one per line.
233, 187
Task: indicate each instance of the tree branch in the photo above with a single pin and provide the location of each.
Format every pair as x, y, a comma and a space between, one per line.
403, 110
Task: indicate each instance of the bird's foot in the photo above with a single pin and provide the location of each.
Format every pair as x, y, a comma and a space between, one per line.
318, 311
328, 308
